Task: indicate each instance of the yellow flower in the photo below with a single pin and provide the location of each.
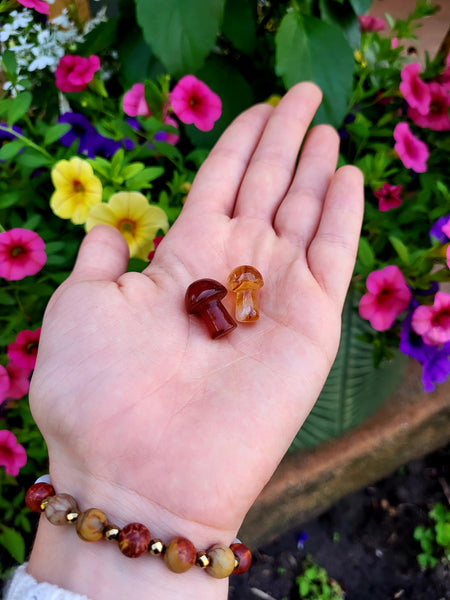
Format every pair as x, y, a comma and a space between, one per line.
77, 190
131, 214
273, 100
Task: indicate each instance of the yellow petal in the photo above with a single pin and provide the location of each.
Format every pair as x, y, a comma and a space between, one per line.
100, 214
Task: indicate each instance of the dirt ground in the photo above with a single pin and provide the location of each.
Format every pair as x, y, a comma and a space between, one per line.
365, 542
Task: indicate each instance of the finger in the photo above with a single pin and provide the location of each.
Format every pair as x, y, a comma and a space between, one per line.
299, 213
272, 166
103, 255
332, 252
217, 182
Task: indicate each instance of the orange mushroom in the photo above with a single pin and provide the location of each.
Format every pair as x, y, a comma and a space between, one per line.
244, 281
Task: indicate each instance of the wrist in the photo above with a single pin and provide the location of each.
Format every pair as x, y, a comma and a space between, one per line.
99, 569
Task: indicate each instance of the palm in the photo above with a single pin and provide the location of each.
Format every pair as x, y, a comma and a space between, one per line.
157, 396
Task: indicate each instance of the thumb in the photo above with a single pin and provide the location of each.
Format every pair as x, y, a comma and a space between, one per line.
103, 255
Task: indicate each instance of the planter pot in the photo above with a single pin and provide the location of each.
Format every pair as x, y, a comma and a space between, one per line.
355, 389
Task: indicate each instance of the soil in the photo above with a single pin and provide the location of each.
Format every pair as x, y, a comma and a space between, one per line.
365, 542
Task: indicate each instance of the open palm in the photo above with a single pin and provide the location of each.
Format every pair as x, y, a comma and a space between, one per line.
134, 398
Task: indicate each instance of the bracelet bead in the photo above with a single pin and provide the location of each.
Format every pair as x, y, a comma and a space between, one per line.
36, 494
244, 557
202, 560
222, 561
180, 555
156, 547
134, 540
91, 524
58, 507
111, 532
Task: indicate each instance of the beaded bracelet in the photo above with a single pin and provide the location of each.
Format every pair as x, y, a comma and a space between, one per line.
134, 539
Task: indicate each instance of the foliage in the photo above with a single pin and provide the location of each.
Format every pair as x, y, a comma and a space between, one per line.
434, 540
314, 583
132, 140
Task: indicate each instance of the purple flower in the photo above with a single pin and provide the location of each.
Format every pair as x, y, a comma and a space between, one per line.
436, 367
82, 130
435, 360
436, 231
91, 142
411, 344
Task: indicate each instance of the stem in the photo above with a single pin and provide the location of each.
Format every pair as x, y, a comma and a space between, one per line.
25, 140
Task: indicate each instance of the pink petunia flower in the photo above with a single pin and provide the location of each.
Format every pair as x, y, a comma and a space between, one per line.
388, 296
12, 455
19, 381
437, 116
416, 92
39, 5
22, 253
433, 322
368, 23
23, 351
156, 242
194, 102
134, 103
4, 383
388, 196
412, 152
74, 72
395, 43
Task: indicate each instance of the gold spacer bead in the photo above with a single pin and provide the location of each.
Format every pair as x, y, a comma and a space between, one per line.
237, 562
111, 532
202, 560
156, 547
72, 517
44, 504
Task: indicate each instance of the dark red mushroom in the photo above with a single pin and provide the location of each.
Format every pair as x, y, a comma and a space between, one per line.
203, 298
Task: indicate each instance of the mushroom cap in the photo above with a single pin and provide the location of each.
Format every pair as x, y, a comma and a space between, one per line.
201, 293
244, 277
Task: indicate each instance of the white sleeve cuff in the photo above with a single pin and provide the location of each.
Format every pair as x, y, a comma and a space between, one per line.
24, 587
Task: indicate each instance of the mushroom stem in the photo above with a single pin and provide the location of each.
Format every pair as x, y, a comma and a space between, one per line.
246, 306
217, 319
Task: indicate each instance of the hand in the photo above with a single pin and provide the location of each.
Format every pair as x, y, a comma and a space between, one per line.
143, 413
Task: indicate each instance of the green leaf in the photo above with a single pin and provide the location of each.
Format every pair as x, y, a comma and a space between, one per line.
18, 107
8, 199
180, 33
131, 170
154, 98
365, 253
9, 62
361, 6
55, 132
310, 49
33, 159
401, 249
10, 149
144, 177
13, 542
100, 38
239, 24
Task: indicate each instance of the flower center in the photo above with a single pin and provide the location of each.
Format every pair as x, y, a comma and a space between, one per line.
126, 226
442, 320
193, 102
31, 347
17, 251
77, 186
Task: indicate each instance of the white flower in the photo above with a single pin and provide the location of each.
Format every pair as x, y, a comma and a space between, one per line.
41, 62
